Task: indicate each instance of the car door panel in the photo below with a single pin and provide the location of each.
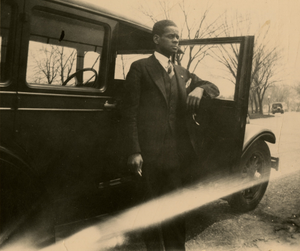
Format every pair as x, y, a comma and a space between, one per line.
66, 129
217, 128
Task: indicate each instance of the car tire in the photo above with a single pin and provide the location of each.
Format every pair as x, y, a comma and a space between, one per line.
25, 209
255, 165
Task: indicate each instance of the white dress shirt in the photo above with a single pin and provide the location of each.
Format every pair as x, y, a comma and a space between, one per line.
163, 60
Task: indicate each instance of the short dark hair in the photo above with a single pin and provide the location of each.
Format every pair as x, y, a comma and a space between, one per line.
159, 27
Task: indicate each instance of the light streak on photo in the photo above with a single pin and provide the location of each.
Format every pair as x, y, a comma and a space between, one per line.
112, 232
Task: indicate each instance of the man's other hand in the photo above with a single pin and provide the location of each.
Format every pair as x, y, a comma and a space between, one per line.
135, 163
194, 98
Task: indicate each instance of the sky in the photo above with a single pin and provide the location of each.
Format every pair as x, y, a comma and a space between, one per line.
281, 15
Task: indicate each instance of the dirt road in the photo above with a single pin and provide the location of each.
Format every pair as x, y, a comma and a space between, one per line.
275, 223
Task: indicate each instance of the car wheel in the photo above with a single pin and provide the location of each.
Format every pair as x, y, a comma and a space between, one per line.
25, 208
255, 167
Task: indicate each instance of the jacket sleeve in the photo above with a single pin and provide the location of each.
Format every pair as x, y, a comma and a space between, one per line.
130, 109
210, 90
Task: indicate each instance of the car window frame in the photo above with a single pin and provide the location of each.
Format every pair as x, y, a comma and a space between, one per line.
12, 42
102, 76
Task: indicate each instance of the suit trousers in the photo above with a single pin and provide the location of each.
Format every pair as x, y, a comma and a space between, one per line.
162, 176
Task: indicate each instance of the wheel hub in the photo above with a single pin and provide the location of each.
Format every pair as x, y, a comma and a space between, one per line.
251, 173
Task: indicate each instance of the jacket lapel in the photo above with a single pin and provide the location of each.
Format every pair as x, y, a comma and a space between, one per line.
179, 73
154, 68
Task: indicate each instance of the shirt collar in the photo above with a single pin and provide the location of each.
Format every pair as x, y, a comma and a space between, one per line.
163, 60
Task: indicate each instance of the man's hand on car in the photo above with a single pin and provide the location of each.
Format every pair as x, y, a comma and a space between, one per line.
194, 98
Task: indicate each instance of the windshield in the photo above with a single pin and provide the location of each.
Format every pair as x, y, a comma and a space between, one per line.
277, 105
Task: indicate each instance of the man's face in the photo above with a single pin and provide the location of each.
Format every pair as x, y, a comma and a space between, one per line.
167, 43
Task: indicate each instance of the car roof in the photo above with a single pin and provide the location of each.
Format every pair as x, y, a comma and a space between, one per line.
105, 12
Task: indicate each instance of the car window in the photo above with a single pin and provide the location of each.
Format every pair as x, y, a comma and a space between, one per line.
217, 63
277, 105
67, 53
6, 17
123, 63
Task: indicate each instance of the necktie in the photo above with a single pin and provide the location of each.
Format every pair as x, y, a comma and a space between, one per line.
170, 69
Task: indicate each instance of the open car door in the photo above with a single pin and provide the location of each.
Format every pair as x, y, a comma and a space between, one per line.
217, 128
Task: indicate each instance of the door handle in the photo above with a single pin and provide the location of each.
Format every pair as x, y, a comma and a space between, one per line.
195, 120
110, 106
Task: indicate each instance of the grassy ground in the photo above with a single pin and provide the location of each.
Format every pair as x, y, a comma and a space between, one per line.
259, 116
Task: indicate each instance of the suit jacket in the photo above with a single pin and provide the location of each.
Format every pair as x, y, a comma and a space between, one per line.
145, 106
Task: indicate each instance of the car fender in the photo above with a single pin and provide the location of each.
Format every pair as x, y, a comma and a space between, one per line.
256, 132
17, 159
26, 202
11, 156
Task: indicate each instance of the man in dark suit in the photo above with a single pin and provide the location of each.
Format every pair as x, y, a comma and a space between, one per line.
157, 97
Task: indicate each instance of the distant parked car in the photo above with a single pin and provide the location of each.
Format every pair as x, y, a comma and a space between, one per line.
277, 107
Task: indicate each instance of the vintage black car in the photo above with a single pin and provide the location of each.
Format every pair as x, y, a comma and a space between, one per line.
277, 108
63, 65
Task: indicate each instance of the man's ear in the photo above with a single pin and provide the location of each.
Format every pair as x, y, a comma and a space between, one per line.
156, 38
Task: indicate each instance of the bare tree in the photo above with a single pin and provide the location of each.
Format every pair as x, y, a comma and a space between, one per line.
296, 87
46, 65
296, 96
189, 28
265, 76
123, 67
265, 59
280, 93
53, 63
66, 62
